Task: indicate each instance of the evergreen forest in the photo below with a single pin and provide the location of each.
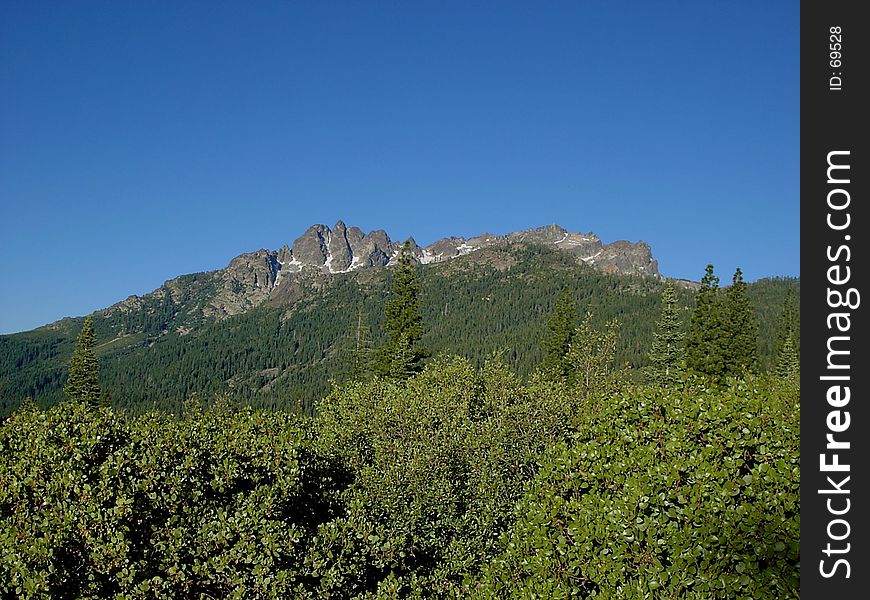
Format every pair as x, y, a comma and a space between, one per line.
513, 426
496, 300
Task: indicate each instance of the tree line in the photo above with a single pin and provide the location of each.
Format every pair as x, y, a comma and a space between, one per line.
283, 357
721, 340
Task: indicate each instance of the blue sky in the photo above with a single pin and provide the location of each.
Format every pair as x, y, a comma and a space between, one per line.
143, 140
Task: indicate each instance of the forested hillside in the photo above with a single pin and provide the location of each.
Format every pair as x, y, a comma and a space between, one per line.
281, 356
428, 477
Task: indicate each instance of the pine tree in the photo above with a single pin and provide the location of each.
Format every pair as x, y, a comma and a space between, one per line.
561, 328
789, 324
788, 365
402, 355
788, 346
706, 345
740, 328
668, 347
82, 384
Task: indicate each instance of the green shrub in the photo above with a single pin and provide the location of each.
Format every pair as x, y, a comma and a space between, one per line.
453, 483
663, 495
221, 504
439, 461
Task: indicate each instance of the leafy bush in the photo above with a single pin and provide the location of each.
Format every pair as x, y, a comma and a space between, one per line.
663, 495
439, 461
221, 504
456, 483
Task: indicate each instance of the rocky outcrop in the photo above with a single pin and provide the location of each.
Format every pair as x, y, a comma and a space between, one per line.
376, 249
311, 247
281, 276
339, 255
627, 258
254, 269
446, 248
618, 257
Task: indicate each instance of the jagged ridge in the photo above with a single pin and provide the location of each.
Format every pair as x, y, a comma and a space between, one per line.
343, 249
253, 278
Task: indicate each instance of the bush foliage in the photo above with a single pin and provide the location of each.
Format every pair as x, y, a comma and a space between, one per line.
663, 495
457, 482
220, 504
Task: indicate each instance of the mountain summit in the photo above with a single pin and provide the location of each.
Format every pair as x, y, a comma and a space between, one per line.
343, 249
278, 276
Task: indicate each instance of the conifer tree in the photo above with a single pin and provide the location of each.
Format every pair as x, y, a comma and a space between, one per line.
82, 384
788, 365
668, 347
789, 324
561, 327
706, 345
740, 328
402, 355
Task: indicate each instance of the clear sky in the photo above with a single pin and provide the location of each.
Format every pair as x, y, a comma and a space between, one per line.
144, 140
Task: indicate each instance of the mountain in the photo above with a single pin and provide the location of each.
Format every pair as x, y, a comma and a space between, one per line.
277, 277
273, 327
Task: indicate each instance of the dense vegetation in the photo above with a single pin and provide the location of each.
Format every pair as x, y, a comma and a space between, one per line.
282, 357
456, 482
453, 483
444, 480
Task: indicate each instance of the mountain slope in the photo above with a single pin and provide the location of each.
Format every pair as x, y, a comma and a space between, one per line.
280, 352
279, 277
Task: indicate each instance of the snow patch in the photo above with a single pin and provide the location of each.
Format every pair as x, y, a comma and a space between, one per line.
564, 237
356, 263
591, 258
464, 248
428, 257
294, 266
328, 263
394, 257
279, 273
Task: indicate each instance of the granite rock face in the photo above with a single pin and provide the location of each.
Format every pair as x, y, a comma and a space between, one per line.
627, 258
280, 275
255, 269
311, 247
618, 257
339, 254
446, 247
343, 249
376, 249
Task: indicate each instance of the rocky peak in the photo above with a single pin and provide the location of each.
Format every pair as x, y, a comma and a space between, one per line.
342, 249
548, 233
339, 254
627, 257
375, 249
257, 269
311, 247
354, 235
256, 277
